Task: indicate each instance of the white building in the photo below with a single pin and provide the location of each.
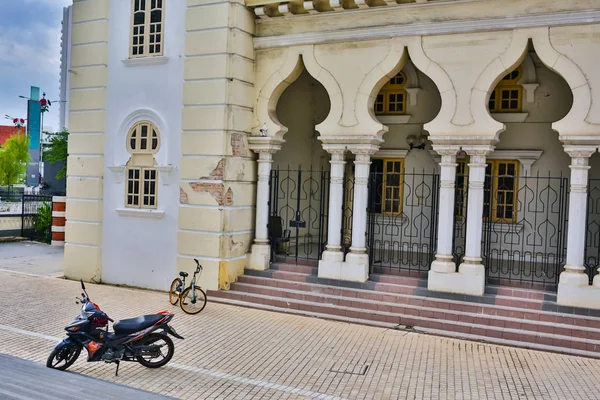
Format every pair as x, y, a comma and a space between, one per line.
450, 140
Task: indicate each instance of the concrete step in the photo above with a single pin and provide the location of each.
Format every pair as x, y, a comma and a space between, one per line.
517, 298
451, 311
558, 341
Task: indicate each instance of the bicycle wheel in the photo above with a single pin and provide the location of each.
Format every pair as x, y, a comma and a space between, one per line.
192, 305
175, 291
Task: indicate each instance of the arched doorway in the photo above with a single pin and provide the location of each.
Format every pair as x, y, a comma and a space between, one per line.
404, 182
299, 181
526, 186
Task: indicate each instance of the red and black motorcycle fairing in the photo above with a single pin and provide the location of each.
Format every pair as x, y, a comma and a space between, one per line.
89, 330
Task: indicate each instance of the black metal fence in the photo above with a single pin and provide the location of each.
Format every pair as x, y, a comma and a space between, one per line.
402, 220
299, 200
524, 228
24, 215
592, 239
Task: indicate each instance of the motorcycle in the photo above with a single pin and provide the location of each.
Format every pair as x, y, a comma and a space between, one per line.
140, 339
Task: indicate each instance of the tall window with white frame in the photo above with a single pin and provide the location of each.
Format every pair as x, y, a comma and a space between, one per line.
141, 189
147, 28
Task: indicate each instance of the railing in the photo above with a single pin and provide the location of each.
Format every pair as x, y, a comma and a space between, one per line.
403, 234
592, 239
525, 229
301, 199
28, 216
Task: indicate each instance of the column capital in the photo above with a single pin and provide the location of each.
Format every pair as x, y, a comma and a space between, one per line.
264, 156
579, 152
265, 144
446, 150
363, 152
478, 150
337, 151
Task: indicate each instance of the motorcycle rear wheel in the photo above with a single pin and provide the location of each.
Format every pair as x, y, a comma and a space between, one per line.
70, 354
150, 340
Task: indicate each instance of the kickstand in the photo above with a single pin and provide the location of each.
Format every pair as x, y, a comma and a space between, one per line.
117, 371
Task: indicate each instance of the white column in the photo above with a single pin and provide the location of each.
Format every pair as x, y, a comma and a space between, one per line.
443, 259
472, 259
362, 165
265, 160
356, 267
336, 197
470, 278
331, 261
574, 273
260, 253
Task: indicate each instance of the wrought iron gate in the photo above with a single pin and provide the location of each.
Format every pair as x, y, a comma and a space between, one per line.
28, 216
298, 203
402, 220
592, 237
524, 228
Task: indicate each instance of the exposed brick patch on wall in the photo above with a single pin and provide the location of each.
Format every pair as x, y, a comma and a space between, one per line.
58, 221
218, 172
214, 189
238, 144
229, 197
183, 197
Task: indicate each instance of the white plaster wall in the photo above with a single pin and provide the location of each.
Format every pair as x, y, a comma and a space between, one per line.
141, 251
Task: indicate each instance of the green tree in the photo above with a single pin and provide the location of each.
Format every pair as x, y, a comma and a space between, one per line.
13, 159
56, 150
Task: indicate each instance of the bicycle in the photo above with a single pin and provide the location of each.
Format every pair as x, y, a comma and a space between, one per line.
179, 293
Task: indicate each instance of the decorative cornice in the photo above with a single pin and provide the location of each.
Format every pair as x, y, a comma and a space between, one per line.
428, 28
265, 144
350, 140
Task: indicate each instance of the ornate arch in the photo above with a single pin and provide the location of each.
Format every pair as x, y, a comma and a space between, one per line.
575, 122
296, 59
443, 82
120, 153
374, 80
491, 75
557, 62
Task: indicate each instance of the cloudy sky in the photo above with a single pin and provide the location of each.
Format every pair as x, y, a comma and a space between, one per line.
29, 54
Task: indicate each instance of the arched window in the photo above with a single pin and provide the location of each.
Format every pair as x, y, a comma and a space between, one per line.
143, 141
147, 22
391, 99
508, 94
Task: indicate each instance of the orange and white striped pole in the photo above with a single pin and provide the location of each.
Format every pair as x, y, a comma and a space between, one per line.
59, 219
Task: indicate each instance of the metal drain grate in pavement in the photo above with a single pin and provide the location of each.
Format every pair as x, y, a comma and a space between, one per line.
349, 368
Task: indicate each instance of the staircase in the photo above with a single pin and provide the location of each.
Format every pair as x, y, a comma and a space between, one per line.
503, 315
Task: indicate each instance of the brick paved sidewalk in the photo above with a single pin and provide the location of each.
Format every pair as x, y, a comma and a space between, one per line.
238, 353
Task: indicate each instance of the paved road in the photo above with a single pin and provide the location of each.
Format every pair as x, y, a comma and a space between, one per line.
32, 258
237, 353
24, 380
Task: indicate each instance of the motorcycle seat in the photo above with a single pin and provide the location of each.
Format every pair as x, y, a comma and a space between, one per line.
126, 326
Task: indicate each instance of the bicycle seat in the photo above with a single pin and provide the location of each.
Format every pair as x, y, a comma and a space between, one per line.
184, 274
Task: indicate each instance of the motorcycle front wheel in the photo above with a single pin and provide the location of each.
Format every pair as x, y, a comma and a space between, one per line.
63, 358
153, 344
